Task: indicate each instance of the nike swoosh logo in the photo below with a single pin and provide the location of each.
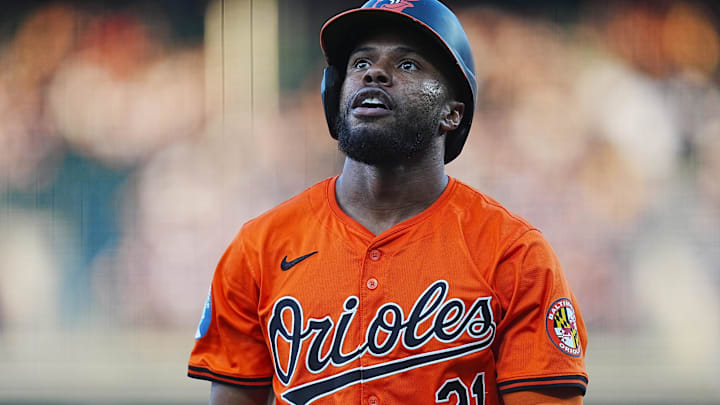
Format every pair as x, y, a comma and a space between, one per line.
285, 265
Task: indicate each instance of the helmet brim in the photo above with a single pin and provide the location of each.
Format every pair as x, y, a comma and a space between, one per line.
340, 33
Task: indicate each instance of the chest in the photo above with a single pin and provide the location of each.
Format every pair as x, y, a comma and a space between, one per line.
386, 306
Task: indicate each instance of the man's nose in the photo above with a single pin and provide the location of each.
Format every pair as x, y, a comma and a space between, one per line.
377, 74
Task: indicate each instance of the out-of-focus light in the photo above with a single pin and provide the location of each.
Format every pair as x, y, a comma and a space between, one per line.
31, 247
708, 146
690, 39
191, 199
42, 42
29, 151
120, 44
667, 263
122, 96
612, 187
123, 119
635, 33
630, 111
547, 129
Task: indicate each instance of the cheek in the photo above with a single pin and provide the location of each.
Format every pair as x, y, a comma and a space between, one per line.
432, 89
343, 96
346, 91
429, 95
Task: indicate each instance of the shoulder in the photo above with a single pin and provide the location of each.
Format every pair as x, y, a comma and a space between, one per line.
289, 217
481, 216
264, 238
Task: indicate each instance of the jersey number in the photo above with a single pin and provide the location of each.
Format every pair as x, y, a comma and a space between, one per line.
455, 386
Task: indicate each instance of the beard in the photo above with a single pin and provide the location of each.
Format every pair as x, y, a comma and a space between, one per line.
408, 136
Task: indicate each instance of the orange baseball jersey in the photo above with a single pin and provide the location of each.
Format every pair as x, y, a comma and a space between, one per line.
459, 304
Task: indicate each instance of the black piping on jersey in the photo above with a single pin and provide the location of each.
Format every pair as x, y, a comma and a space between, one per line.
233, 380
218, 380
581, 383
581, 387
564, 377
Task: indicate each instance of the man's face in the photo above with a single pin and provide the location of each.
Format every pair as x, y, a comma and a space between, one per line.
392, 101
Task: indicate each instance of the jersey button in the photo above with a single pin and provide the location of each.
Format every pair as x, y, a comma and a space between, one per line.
375, 255
373, 400
372, 284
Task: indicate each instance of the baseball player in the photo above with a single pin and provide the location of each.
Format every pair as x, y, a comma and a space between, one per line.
392, 283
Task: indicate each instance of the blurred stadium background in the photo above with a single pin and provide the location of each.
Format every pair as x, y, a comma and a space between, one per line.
136, 137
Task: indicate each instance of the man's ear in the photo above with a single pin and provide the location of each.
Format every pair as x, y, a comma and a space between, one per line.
453, 116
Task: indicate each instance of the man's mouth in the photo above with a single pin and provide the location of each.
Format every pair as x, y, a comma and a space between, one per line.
371, 102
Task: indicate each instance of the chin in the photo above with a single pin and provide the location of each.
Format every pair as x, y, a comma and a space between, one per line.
378, 147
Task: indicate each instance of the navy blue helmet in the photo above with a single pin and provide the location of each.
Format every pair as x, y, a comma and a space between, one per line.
430, 19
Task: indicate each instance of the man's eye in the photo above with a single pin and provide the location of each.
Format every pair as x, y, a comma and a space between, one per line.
408, 65
361, 64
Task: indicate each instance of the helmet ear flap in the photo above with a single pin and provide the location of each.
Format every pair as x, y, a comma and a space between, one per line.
330, 92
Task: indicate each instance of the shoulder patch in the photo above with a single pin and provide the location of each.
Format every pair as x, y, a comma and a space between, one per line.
204, 324
561, 326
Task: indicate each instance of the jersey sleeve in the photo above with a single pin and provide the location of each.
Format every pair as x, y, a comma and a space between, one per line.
541, 337
229, 344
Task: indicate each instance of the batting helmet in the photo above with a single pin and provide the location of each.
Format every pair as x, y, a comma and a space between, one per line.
429, 18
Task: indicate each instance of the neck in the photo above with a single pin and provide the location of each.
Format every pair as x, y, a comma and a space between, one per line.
381, 197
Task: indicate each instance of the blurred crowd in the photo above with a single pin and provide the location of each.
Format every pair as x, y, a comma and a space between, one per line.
605, 133
120, 185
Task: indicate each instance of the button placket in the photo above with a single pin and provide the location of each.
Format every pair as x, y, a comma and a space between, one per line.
374, 255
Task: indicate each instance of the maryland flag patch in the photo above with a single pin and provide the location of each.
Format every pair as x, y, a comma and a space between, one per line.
561, 325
